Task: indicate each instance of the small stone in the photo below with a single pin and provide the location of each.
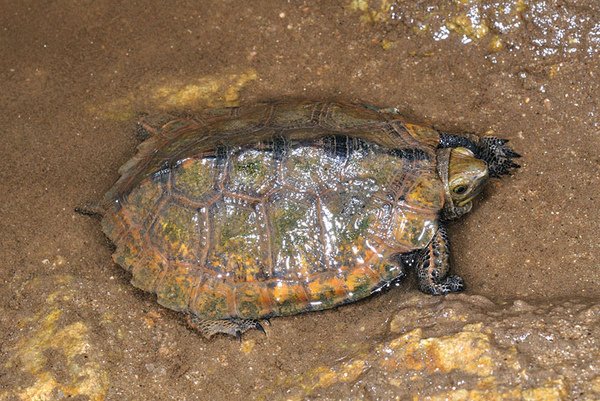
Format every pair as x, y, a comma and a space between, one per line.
59, 261
247, 346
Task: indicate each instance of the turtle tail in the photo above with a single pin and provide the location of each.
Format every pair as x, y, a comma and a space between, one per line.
91, 209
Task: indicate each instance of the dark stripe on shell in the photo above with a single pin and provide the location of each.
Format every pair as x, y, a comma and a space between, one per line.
410, 154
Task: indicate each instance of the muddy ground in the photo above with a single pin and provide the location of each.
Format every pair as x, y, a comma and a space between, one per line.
75, 76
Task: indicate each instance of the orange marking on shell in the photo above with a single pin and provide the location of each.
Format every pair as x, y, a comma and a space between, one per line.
214, 300
315, 288
370, 255
115, 227
265, 300
362, 275
175, 287
227, 292
249, 269
257, 296
147, 271
338, 285
427, 193
326, 291
289, 298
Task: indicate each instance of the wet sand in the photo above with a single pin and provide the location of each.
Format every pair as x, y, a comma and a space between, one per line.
75, 77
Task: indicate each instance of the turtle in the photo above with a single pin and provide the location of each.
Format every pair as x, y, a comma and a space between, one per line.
237, 215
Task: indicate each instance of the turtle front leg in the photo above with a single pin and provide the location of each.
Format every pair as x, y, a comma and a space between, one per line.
494, 151
234, 326
433, 264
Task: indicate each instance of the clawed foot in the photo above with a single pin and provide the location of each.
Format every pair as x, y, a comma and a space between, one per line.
450, 284
433, 264
234, 327
498, 156
494, 151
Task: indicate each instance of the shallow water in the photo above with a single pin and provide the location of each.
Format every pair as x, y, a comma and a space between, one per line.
75, 77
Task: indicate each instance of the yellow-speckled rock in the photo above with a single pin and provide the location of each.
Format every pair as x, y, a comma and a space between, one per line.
217, 90
49, 336
467, 349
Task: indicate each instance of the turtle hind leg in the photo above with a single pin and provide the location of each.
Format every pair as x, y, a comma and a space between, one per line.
433, 264
233, 326
148, 126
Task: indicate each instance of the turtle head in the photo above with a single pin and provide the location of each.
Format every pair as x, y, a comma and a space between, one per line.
464, 176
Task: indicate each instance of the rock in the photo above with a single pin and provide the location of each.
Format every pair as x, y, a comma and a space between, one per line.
467, 348
55, 353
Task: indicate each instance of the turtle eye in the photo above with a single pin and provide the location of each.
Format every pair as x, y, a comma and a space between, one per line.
460, 190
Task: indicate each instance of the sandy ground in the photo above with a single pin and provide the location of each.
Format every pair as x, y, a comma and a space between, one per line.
74, 76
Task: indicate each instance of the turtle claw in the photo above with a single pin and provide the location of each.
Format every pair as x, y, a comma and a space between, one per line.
512, 153
494, 151
244, 325
497, 155
259, 327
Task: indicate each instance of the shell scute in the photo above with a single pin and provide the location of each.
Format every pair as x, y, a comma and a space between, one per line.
142, 200
390, 271
175, 287
423, 134
361, 280
289, 297
412, 230
128, 254
195, 179
327, 290
253, 300
251, 173
426, 192
235, 241
295, 115
147, 271
295, 235
180, 232
212, 299
246, 120
344, 118
307, 168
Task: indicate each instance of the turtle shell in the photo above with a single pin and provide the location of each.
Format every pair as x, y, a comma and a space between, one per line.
274, 209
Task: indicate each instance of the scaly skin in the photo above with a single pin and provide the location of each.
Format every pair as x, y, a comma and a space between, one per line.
433, 265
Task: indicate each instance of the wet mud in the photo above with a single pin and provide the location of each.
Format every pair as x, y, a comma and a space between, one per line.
75, 77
